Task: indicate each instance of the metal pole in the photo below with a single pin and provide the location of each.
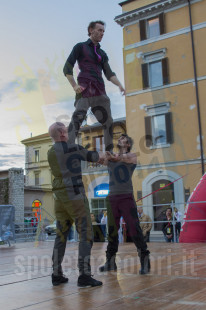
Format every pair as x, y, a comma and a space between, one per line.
196, 89
173, 221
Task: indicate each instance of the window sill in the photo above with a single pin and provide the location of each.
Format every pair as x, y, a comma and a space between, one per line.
159, 146
157, 87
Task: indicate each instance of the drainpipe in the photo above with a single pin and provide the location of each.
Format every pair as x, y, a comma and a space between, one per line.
196, 90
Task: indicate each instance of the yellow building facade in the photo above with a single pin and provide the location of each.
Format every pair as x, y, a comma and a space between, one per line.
163, 42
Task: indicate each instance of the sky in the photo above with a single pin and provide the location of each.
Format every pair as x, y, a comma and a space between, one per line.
36, 39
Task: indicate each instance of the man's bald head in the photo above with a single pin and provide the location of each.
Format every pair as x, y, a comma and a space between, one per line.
58, 132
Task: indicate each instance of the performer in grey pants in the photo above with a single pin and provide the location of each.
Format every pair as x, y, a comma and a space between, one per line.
90, 88
71, 204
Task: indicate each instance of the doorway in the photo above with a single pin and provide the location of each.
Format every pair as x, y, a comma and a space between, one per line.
161, 200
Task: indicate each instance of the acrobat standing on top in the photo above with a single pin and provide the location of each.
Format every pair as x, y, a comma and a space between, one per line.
90, 87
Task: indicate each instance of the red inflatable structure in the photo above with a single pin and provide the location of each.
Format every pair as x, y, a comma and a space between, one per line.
193, 232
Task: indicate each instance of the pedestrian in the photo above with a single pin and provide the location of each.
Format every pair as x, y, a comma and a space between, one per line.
104, 223
178, 216
147, 226
167, 226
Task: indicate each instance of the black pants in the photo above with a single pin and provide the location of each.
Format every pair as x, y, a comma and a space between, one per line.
100, 106
147, 237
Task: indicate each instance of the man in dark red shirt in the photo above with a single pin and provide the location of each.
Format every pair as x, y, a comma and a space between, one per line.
90, 88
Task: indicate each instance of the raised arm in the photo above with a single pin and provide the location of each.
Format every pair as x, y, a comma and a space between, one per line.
103, 158
129, 158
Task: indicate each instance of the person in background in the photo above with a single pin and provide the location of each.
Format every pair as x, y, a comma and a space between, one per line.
93, 219
71, 234
99, 216
178, 216
104, 223
121, 230
146, 227
97, 231
167, 226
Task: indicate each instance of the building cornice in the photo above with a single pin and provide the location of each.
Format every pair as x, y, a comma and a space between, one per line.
165, 36
46, 138
95, 126
147, 10
125, 2
39, 188
144, 91
162, 165
38, 139
169, 164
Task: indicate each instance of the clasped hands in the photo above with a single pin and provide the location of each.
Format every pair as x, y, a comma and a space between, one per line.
107, 156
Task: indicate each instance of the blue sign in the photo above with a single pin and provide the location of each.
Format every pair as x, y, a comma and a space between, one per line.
101, 190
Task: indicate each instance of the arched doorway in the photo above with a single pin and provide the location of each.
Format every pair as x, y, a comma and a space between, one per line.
162, 198
175, 192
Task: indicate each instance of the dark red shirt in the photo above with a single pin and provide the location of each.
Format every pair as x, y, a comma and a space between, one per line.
90, 76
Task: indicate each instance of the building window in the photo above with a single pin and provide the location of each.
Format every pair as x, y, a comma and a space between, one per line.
158, 125
152, 27
155, 73
98, 143
36, 156
37, 178
98, 206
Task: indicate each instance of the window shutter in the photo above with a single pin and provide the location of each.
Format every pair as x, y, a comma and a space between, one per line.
148, 131
139, 195
94, 143
145, 77
142, 26
165, 71
162, 23
169, 131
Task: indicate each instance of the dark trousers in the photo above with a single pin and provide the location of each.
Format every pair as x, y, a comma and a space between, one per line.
147, 237
100, 106
66, 213
123, 205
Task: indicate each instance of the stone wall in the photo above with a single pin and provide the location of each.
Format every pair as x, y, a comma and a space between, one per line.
4, 191
16, 192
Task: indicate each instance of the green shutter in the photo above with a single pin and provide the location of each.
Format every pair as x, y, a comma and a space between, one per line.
145, 76
148, 131
169, 131
142, 26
